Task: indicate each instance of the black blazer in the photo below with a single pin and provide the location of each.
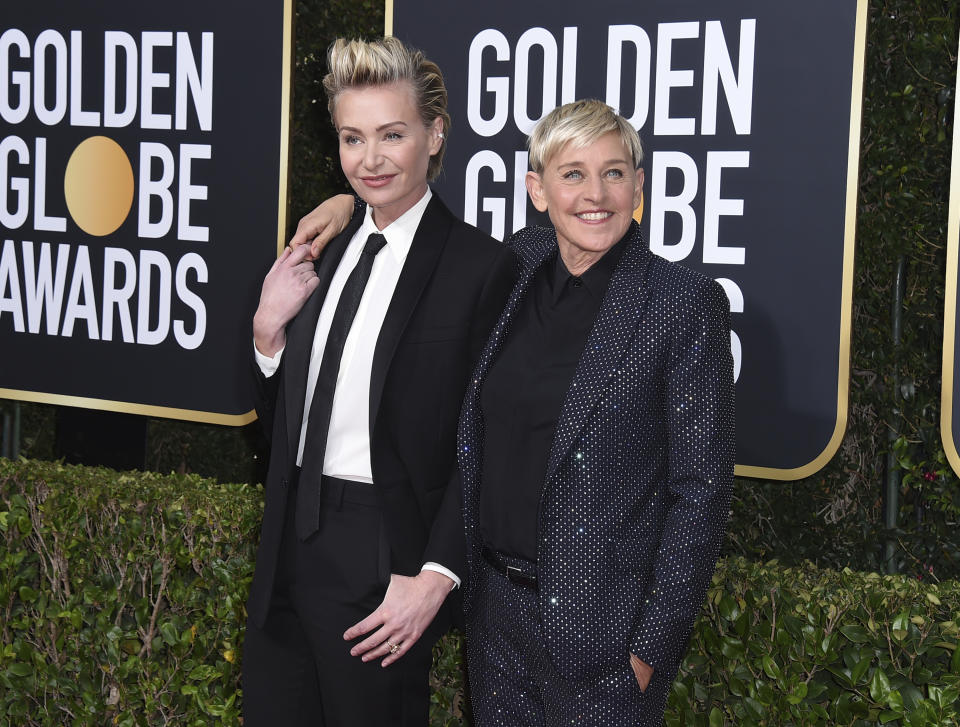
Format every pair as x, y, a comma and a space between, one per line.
452, 288
639, 477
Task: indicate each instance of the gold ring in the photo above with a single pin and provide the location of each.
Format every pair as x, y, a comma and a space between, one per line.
394, 648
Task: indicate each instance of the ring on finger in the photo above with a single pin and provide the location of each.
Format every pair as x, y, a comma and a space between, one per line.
394, 648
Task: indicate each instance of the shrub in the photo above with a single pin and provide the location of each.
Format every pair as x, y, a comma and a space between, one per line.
121, 602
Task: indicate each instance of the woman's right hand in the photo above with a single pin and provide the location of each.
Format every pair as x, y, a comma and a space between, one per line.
324, 223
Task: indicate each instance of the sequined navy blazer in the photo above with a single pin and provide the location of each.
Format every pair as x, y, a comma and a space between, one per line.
639, 476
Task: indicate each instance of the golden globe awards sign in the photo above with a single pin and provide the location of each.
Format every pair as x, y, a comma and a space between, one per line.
142, 196
750, 115
949, 403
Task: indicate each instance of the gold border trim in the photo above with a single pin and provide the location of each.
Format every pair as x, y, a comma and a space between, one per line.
846, 291
193, 415
950, 294
125, 407
286, 94
388, 18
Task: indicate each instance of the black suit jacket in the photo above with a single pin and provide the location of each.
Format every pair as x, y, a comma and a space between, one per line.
638, 481
452, 287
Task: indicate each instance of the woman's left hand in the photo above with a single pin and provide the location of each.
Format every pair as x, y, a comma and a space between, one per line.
641, 670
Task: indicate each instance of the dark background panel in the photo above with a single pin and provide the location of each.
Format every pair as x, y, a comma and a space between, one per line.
241, 210
794, 190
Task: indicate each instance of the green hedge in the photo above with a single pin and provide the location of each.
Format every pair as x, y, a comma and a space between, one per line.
121, 602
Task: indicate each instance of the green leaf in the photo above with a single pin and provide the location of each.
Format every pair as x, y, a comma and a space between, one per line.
770, 667
716, 718
169, 633
27, 594
798, 693
879, 686
855, 633
860, 669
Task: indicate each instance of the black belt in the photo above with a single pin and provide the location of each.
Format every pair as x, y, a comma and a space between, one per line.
513, 573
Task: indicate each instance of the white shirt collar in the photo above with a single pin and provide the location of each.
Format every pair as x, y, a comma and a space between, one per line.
400, 232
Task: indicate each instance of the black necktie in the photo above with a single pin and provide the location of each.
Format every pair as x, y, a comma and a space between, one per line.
315, 445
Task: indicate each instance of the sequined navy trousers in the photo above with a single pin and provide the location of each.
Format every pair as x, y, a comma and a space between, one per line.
514, 682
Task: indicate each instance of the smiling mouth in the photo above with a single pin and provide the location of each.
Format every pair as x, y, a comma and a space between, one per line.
594, 216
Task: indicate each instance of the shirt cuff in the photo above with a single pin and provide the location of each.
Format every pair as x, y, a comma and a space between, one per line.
437, 568
268, 365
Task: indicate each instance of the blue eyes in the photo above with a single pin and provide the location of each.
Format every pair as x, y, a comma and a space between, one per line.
576, 174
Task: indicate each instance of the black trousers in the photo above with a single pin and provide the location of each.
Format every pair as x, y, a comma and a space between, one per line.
513, 680
297, 669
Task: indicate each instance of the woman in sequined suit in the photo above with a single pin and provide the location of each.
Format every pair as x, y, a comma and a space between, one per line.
596, 450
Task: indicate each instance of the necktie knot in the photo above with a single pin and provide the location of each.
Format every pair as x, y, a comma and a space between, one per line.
374, 244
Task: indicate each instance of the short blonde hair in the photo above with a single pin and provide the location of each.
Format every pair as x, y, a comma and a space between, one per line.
580, 123
382, 62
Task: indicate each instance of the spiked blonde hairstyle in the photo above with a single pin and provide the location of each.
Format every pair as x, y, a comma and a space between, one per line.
385, 61
579, 123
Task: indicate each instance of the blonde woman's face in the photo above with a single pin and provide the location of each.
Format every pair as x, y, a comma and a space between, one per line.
384, 147
590, 194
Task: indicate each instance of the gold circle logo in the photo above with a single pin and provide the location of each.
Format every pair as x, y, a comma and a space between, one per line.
98, 185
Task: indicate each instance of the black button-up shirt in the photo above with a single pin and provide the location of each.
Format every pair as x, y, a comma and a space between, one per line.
524, 392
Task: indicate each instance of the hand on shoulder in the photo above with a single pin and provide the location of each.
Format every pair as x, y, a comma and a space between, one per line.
322, 224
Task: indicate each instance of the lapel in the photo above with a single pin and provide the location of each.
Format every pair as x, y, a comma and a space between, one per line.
609, 339
428, 243
300, 334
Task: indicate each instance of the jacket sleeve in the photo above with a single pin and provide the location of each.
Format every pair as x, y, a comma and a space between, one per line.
700, 424
265, 391
446, 544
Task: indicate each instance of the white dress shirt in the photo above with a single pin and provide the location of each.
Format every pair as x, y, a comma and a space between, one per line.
347, 454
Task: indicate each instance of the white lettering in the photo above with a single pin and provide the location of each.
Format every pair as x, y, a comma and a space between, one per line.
617, 35
660, 204
718, 68
190, 341
485, 159
44, 292
9, 279
714, 206
145, 334
82, 284
20, 186
150, 80
118, 297
668, 78
150, 187
20, 80
78, 117
200, 90
50, 39
499, 86
114, 41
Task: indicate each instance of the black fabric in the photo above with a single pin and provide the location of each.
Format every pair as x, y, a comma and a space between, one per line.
453, 285
298, 670
321, 407
523, 395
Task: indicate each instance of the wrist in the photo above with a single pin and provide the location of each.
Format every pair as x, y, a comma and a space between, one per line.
436, 582
268, 336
